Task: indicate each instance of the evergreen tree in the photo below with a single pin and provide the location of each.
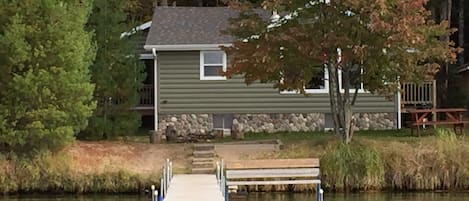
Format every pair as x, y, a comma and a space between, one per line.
116, 72
45, 89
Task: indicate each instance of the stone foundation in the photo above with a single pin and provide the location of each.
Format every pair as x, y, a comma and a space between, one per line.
186, 123
200, 124
271, 123
374, 121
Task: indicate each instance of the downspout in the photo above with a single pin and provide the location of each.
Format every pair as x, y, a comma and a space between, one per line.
155, 86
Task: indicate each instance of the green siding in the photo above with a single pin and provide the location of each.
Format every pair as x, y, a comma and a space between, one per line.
182, 91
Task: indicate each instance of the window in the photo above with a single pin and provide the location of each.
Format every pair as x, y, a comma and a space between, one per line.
222, 121
318, 83
354, 81
212, 65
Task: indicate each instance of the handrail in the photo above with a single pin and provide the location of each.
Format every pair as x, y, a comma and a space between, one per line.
167, 176
419, 94
221, 179
146, 95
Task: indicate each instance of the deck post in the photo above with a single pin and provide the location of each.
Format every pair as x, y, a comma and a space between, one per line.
399, 106
434, 117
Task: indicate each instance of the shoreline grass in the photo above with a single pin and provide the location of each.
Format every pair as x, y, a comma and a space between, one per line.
375, 161
384, 161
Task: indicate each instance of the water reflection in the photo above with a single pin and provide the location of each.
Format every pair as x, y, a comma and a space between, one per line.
361, 197
268, 197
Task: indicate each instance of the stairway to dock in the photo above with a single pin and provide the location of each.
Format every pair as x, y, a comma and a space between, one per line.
203, 161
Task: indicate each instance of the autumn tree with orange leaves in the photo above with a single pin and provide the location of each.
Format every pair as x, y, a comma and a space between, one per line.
369, 43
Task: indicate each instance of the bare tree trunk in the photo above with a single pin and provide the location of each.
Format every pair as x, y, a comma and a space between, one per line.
461, 30
347, 105
341, 104
333, 84
164, 2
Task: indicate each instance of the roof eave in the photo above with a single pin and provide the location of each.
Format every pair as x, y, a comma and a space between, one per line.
187, 47
464, 68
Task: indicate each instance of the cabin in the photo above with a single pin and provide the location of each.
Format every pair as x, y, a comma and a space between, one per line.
181, 50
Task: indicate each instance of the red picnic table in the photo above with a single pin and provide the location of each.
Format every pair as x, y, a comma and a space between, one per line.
452, 116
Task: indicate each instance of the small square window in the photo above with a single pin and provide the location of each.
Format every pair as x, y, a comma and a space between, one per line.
212, 65
222, 121
213, 71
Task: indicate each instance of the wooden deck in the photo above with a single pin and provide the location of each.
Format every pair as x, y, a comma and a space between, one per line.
194, 187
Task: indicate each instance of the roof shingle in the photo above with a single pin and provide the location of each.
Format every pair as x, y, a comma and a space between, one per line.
190, 25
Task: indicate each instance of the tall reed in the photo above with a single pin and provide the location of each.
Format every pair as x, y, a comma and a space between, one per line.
352, 167
52, 174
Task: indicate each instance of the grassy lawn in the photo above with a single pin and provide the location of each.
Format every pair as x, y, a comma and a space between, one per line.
321, 137
312, 138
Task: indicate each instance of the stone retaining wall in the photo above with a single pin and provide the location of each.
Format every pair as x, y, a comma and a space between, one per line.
185, 124
271, 123
374, 121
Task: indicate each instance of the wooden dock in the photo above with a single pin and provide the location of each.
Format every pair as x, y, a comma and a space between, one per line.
209, 187
194, 187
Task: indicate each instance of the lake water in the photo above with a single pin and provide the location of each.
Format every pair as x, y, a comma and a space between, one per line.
270, 197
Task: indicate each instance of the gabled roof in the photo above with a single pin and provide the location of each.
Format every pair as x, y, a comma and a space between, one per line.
189, 26
136, 29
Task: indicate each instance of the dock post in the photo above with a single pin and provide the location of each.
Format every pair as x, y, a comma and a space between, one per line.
218, 171
170, 171
165, 184
318, 192
221, 168
162, 188
167, 173
225, 189
160, 196
322, 194
152, 192
155, 196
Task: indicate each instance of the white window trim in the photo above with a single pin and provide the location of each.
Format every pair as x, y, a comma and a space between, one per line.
313, 91
360, 90
202, 67
326, 86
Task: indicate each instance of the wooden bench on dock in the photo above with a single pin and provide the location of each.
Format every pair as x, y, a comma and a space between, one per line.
274, 172
452, 116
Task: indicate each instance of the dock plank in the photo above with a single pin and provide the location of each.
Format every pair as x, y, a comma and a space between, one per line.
268, 164
194, 187
270, 173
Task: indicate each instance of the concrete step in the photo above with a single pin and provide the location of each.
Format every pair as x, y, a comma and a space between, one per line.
203, 147
203, 170
203, 154
203, 165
